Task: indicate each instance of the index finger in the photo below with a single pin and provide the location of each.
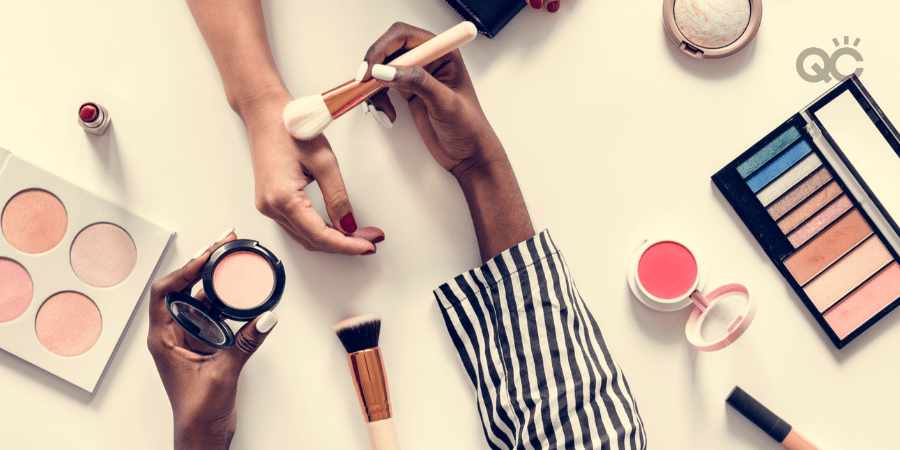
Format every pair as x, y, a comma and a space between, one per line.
400, 36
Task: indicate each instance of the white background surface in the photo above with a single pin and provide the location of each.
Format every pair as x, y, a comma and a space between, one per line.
612, 132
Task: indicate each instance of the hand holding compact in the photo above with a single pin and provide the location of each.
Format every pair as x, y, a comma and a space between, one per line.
201, 381
441, 99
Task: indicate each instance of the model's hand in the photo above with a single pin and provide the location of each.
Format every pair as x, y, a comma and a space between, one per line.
441, 99
201, 381
284, 166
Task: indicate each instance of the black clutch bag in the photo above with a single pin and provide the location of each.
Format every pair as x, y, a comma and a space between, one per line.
490, 16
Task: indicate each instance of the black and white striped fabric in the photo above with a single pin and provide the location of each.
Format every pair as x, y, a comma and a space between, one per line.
542, 374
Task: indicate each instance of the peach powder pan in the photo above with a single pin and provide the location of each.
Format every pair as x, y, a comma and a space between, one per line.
73, 269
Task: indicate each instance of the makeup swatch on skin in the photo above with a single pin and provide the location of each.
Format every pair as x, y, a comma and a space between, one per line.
34, 221
16, 290
103, 255
865, 302
827, 247
848, 273
778, 166
243, 280
809, 207
799, 193
821, 220
768, 152
790, 178
68, 324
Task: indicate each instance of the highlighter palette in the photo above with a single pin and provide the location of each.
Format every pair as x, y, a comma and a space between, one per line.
818, 194
73, 268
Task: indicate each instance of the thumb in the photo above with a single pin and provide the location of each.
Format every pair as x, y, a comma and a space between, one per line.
438, 97
250, 337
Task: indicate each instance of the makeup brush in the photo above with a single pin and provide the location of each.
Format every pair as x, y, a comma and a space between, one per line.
306, 117
360, 337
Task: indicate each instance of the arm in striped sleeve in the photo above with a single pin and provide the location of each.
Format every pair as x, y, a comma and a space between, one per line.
542, 375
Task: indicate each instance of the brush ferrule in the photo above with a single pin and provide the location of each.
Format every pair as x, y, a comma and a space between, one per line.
348, 95
370, 379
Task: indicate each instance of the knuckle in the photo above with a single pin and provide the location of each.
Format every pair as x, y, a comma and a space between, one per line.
397, 26
247, 344
417, 76
339, 200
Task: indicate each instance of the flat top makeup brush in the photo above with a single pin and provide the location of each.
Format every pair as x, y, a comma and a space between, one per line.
306, 117
360, 337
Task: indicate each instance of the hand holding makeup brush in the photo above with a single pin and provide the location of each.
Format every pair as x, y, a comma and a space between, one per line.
201, 381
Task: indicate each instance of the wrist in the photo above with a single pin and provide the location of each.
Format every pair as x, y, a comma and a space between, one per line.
196, 439
484, 164
261, 104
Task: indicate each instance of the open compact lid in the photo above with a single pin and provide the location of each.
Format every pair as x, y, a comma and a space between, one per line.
194, 317
721, 316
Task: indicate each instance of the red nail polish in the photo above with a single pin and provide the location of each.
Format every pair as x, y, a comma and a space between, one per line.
536, 4
368, 252
553, 6
348, 224
378, 239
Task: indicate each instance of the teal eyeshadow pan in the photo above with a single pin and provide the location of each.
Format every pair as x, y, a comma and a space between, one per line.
768, 152
778, 166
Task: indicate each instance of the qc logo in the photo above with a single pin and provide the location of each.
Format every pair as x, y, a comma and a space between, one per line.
828, 67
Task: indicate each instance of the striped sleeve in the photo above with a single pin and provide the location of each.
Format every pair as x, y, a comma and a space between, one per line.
542, 375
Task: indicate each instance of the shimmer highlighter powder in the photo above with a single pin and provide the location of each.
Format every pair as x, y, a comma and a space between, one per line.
34, 221
710, 29
243, 280
68, 324
103, 255
16, 290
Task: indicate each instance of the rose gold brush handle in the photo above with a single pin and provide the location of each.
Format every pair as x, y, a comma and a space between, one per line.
370, 379
350, 94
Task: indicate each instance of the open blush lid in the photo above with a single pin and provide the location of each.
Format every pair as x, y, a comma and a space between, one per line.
711, 29
667, 274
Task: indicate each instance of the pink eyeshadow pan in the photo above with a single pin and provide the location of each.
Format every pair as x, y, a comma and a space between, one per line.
847, 273
865, 302
68, 324
243, 280
103, 255
667, 270
34, 221
821, 220
16, 290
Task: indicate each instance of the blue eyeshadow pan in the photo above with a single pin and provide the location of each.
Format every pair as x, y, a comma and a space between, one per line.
778, 166
768, 152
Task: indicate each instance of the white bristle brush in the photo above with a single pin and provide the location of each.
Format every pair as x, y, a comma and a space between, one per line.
306, 117
360, 337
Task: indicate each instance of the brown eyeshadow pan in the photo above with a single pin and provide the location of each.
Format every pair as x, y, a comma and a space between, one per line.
809, 207
826, 248
799, 192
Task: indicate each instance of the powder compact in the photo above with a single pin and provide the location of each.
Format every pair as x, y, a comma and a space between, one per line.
242, 280
820, 195
73, 269
667, 274
711, 29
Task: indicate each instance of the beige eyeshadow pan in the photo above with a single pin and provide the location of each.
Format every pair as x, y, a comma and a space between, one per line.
103, 255
848, 273
865, 302
68, 324
810, 207
34, 221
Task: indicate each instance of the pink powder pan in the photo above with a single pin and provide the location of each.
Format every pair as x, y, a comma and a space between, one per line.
242, 279
73, 268
666, 275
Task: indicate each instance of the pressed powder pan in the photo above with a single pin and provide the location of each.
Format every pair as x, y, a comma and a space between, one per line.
711, 29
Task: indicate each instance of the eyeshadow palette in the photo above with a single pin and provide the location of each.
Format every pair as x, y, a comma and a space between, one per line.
73, 268
818, 193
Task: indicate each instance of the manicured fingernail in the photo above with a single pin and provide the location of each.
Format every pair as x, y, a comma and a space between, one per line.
224, 235
361, 72
366, 107
553, 6
383, 72
266, 321
378, 239
201, 252
376, 116
368, 252
536, 4
385, 120
348, 224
